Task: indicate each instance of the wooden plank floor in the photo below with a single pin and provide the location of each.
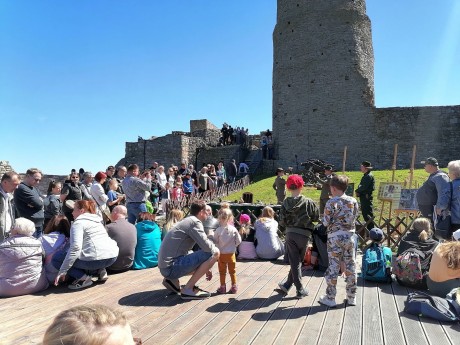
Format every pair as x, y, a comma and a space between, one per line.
258, 314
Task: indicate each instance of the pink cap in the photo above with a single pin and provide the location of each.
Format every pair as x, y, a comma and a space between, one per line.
244, 218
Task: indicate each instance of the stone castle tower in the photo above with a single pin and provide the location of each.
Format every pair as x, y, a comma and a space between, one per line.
323, 80
323, 94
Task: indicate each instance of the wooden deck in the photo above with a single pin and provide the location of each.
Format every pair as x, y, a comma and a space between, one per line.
258, 314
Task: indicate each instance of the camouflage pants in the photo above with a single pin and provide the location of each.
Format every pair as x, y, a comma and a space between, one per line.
341, 247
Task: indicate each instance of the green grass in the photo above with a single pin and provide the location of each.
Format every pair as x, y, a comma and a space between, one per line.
264, 193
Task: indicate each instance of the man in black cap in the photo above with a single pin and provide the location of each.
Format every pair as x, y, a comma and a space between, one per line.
428, 194
364, 193
325, 187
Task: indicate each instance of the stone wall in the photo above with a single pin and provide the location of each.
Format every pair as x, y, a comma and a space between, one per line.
5, 167
323, 94
434, 130
323, 90
205, 130
214, 154
166, 150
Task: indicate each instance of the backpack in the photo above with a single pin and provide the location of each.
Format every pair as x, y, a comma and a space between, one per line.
376, 264
408, 269
422, 304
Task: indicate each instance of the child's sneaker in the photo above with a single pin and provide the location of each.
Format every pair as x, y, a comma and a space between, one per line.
301, 293
328, 302
222, 290
283, 287
234, 289
351, 301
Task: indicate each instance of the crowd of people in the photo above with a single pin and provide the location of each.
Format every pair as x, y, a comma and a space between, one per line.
233, 136
64, 237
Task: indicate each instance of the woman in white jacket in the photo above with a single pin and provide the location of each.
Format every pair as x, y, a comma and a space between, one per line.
98, 193
269, 245
91, 249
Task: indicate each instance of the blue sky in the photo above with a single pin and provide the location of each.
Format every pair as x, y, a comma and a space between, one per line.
80, 78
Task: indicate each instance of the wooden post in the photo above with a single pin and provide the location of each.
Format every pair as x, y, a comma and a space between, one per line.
412, 165
393, 167
344, 159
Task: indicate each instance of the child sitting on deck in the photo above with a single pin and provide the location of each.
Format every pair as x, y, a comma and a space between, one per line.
246, 249
227, 239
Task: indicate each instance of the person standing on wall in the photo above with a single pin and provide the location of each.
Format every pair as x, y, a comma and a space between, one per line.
364, 193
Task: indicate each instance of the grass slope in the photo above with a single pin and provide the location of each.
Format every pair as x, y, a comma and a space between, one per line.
264, 193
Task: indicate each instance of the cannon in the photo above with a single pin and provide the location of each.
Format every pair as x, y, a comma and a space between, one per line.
313, 167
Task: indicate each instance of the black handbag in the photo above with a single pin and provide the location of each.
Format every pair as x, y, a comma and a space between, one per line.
443, 223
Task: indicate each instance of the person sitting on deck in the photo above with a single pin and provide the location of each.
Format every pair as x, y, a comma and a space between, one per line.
269, 245
21, 261
174, 260
444, 273
91, 248
148, 242
125, 234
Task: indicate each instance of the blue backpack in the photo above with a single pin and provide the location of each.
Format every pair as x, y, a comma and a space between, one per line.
422, 304
377, 264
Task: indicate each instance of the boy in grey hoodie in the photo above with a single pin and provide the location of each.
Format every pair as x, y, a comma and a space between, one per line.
297, 215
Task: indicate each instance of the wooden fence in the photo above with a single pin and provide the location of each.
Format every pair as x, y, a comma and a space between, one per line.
209, 195
393, 228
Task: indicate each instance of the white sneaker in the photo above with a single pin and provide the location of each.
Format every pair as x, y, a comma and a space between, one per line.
351, 300
326, 301
102, 275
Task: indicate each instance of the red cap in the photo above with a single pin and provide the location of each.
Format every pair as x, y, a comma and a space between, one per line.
294, 182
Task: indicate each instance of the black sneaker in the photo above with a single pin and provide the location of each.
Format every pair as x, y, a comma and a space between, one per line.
301, 293
283, 287
172, 285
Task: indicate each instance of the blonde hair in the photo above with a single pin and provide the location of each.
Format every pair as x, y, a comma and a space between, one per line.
450, 251
224, 205
174, 216
225, 215
267, 212
84, 324
245, 229
423, 226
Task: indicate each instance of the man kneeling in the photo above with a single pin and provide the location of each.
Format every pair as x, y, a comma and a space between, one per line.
174, 260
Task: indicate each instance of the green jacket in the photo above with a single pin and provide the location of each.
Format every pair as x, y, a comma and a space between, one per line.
367, 185
298, 214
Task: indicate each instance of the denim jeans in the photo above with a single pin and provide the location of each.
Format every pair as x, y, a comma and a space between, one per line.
80, 267
185, 264
134, 208
38, 231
